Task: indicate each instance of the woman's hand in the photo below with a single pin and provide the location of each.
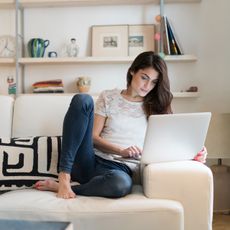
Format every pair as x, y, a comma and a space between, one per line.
105, 146
201, 156
132, 151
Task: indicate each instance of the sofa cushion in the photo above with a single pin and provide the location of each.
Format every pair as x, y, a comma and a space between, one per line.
134, 211
26, 160
39, 115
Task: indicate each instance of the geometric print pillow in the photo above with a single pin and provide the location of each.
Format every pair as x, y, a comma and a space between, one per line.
23, 161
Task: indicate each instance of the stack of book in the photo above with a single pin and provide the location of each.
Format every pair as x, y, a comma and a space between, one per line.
50, 86
171, 45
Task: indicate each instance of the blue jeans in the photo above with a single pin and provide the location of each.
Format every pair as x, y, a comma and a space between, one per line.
97, 176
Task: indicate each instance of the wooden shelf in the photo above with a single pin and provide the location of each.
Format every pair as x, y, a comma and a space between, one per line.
6, 4
96, 60
7, 61
57, 3
180, 58
95, 95
185, 94
77, 60
181, 1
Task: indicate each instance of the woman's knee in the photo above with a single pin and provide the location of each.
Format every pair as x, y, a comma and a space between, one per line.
84, 101
120, 183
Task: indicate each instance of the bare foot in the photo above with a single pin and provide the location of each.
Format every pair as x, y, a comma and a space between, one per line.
47, 185
64, 188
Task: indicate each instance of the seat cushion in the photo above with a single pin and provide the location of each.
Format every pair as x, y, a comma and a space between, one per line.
132, 212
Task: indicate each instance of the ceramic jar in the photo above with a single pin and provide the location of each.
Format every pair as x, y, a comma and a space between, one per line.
83, 84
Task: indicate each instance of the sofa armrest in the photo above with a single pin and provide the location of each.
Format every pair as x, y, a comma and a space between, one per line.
190, 183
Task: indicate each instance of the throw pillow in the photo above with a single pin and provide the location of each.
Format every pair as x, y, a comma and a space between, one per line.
24, 161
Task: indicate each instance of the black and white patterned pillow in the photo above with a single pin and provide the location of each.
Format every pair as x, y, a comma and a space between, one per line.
23, 161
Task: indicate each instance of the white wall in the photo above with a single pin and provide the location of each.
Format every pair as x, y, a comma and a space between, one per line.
214, 55
201, 28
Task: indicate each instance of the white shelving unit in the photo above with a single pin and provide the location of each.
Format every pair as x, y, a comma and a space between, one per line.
25, 61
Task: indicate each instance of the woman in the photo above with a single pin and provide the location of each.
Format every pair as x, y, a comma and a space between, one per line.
117, 129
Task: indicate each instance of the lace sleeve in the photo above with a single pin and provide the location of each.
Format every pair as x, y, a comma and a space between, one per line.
100, 106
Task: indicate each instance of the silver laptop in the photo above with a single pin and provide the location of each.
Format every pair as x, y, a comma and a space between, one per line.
174, 137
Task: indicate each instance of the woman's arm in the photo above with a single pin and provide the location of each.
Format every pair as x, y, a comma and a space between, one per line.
106, 146
99, 142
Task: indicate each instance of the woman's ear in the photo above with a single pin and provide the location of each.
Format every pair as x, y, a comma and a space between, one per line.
132, 73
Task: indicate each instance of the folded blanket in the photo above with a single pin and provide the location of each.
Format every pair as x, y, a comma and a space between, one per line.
49, 86
49, 82
48, 89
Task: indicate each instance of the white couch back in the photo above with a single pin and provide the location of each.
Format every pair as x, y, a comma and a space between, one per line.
39, 115
6, 114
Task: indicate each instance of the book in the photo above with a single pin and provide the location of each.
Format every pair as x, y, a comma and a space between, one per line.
165, 36
172, 44
175, 46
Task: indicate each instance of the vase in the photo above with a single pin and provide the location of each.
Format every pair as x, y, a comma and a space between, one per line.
83, 84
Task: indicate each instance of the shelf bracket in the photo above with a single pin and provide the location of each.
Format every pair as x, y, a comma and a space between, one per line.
19, 41
17, 46
161, 32
161, 7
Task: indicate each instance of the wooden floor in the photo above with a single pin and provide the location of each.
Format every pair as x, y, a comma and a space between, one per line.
221, 222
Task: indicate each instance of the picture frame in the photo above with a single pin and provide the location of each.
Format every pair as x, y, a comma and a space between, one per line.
110, 40
141, 38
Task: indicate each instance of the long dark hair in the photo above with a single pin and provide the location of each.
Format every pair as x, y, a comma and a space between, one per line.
158, 100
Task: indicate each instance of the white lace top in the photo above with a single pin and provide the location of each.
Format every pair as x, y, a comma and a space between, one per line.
125, 124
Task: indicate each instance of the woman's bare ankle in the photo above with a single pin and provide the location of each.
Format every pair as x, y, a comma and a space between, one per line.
64, 176
64, 189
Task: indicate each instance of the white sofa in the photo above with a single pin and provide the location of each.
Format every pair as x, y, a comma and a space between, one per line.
174, 196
